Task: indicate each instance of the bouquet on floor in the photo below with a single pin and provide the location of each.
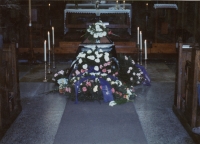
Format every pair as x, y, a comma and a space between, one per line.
129, 72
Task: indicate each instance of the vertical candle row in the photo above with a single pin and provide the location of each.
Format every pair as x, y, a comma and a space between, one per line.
141, 40
45, 52
53, 35
145, 49
48, 34
29, 4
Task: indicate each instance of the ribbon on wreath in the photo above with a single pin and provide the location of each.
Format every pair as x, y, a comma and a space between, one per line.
147, 80
106, 88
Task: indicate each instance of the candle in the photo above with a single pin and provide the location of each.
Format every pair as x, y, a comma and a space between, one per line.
140, 40
49, 6
138, 35
117, 4
45, 58
53, 34
48, 40
146, 6
145, 49
29, 2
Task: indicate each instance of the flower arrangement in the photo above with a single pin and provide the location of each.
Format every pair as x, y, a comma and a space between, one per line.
90, 69
96, 31
129, 72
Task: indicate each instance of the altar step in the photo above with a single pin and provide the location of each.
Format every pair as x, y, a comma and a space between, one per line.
121, 47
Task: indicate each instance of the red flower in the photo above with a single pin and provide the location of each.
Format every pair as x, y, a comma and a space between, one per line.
104, 70
113, 90
84, 89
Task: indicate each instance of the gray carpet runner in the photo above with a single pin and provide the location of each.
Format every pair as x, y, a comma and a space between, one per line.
95, 123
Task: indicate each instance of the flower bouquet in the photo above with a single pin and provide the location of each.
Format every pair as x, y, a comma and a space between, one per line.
94, 76
129, 72
96, 31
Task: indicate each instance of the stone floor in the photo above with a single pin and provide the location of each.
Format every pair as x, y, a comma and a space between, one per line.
41, 113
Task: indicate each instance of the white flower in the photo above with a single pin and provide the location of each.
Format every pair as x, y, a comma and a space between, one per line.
112, 103
62, 81
91, 57
99, 55
108, 79
112, 82
95, 35
96, 79
80, 61
104, 33
96, 68
119, 83
133, 62
81, 55
138, 82
131, 78
104, 74
97, 60
106, 53
106, 58
89, 51
95, 89
138, 74
96, 53
133, 73
130, 68
128, 71
126, 58
85, 66
61, 72
100, 50
128, 91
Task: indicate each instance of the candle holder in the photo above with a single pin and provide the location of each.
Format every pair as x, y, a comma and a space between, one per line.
54, 65
45, 72
138, 53
124, 5
140, 57
145, 63
49, 63
117, 6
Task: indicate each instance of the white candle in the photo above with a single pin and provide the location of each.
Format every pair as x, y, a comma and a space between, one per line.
140, 40
146, 6
29, 2
53, 34
45, 53
138, 35
48, 40
145, 49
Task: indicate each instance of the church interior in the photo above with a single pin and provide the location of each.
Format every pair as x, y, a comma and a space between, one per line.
165, 112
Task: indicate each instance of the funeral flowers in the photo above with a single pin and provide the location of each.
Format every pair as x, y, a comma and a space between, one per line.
96, 31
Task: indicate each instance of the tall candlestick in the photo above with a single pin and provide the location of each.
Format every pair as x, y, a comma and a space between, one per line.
53, 34
123, 4
45, 53
146, 6
141, 40
48, 40
117, 4
29, 2
49, 6
138, 35
145, 49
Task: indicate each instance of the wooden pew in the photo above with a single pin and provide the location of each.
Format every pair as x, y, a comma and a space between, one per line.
10, 105
186, 93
